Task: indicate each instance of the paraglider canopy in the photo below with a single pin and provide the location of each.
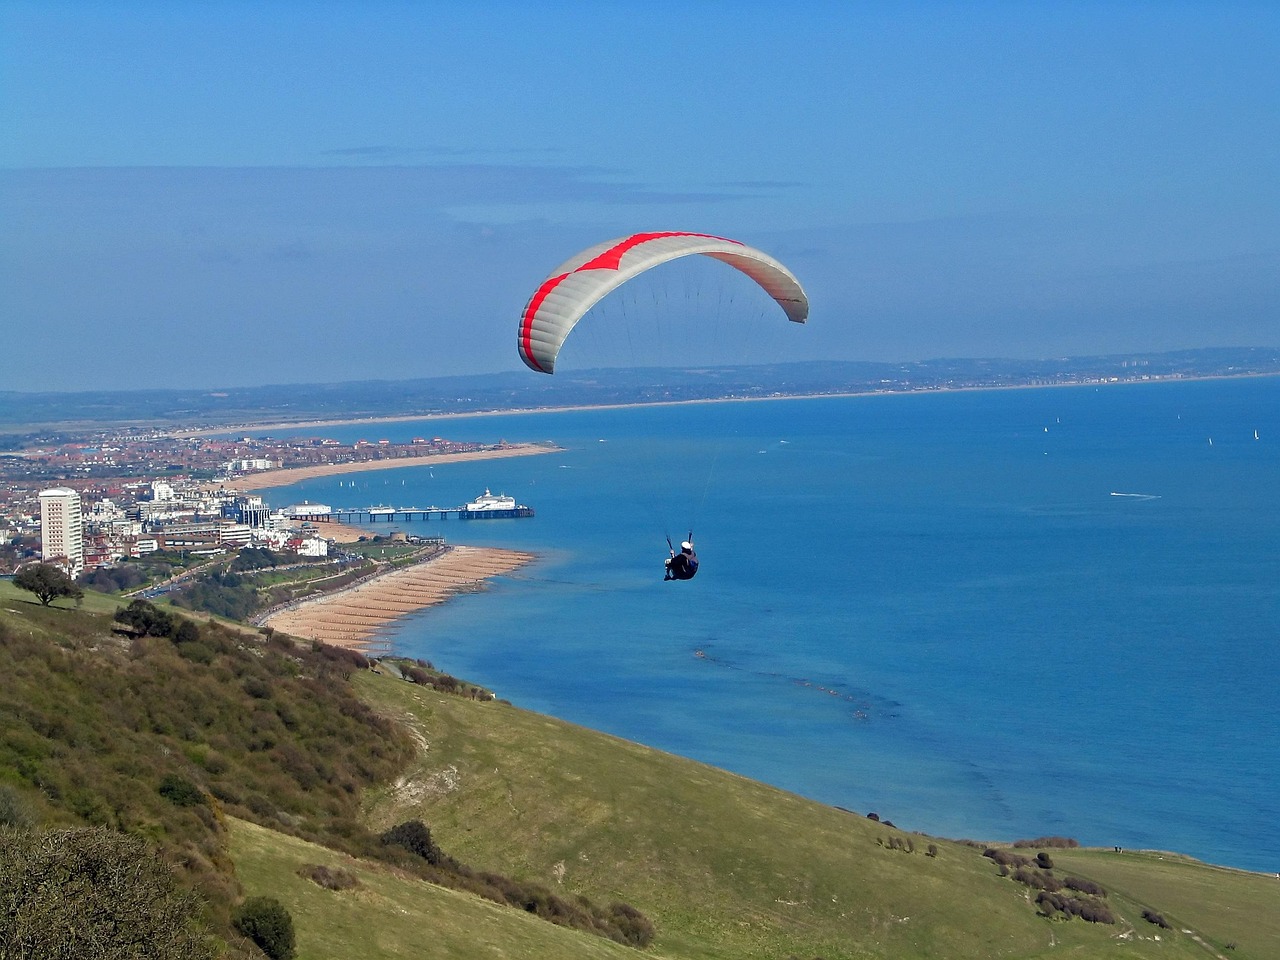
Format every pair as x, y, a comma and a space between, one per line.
581, 281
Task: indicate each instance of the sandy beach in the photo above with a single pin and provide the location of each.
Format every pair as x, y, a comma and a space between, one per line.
359, 615
283, 478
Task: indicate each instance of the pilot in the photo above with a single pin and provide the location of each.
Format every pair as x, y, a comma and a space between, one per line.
682, 565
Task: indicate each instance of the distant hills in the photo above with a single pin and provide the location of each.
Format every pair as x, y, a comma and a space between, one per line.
23, 415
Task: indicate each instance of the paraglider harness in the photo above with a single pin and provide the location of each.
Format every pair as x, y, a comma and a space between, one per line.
682, 565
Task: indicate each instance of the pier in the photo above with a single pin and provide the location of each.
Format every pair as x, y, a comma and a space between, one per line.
369, 515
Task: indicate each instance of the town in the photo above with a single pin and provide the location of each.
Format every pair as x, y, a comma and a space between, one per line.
89, 502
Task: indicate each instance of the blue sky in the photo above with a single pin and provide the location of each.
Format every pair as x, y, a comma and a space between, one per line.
224, 193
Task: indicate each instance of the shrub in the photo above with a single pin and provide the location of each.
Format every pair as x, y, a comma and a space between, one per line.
257, 688
1152, 917
1059, 843
1044, 861
255, 558
196, 652
331, 878
632, 926
146, 619
180, 791
1084, 886
1095, 912
1006, 859
67, 889
266, 922
113, 579
186, 632
1091, 910
14, 809
415, 837
345, 655
1037, 879
932, 851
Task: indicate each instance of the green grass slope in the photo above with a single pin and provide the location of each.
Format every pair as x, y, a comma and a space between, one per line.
92, 601
1233, 912
390, 914
100, 728
724, 866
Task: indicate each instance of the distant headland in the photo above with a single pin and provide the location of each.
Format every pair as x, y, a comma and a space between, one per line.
34, 417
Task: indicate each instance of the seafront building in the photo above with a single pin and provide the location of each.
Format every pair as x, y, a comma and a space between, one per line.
62, 529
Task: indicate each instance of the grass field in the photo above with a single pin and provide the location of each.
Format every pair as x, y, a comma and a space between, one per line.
1235, 913
390, 915
727, 867
723, 866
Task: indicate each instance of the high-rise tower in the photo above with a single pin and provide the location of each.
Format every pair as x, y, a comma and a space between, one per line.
62, 529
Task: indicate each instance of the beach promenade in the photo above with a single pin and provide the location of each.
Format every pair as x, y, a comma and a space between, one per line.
361, 615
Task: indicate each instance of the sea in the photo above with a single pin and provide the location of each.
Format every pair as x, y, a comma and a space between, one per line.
994, 615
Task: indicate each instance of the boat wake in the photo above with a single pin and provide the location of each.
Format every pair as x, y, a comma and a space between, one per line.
1137, 496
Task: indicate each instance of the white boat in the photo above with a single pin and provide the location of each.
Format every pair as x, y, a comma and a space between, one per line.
488, 501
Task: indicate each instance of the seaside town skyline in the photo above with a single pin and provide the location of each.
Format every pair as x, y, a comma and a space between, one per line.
111, 506
128, 507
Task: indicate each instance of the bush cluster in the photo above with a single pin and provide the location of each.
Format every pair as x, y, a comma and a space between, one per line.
1158, 919
224, 594
1087, 909
180, 791
619, 922
213, 720
1084, 886
905, 844
1038, 879
1005, 858
422, 673
266, 922
117, 579
94, 893
1059, 843
145, 619
1038, 874
331, 878
415, 836
263, 730
255, 558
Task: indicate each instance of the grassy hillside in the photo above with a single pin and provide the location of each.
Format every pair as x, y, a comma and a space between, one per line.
728, 867
1231, 910
160, 737
391, 914
184, 742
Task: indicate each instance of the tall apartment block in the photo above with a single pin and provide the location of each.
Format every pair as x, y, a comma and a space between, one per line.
62, 529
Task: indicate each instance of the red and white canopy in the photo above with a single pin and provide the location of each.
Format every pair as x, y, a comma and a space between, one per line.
583, 280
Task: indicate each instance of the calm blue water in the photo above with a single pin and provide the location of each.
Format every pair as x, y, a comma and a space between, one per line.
928, 606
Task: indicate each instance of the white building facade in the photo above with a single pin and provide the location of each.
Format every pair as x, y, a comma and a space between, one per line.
62, 529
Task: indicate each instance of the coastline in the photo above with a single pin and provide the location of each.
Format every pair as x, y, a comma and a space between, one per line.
358, 616
566, 408
270, 479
